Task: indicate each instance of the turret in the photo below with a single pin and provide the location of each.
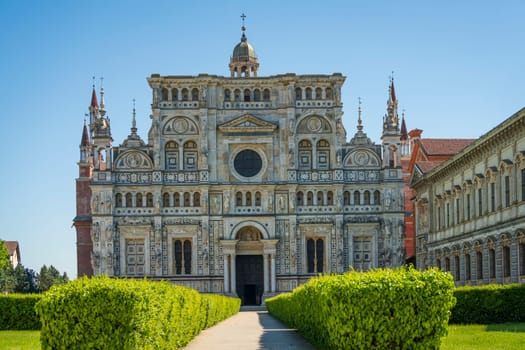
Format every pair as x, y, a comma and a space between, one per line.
243, 62
391, 137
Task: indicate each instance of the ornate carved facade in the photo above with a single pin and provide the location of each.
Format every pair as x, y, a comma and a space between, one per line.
246, 185
470, 209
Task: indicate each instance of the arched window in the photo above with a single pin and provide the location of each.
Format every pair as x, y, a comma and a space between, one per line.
190, 155
138, 200
247, 94
165, 94
248, 199
377, 197
467, 267
118, 200
176, 199
238, 199
196, 199
315, 255
456, 268
479, 265
257, 199
310, 198
506, 260
305, 154
256, 95
318, 93
357, 198
330, 198
298, 93
266, 95
308, 93
149, 200
447, 264
320, 199
187, 202
166, 200
195, 94
329, 94
174, 94
185, 94
237, 95
129, 200
300, 198
438, 263
346, 198
227, 95
367, 198
323, 154
182, 256
172, 155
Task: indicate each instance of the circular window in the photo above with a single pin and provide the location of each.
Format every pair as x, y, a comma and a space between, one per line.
247, 163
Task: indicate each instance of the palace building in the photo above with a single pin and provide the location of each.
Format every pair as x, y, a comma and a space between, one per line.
470, 205
246, 185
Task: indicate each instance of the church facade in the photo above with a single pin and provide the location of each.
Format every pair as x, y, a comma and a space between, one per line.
246, 185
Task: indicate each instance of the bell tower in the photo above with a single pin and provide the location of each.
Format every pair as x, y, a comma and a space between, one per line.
243, 62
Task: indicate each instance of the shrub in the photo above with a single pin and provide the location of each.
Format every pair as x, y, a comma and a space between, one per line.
104, 313
381, 309
17, 312
489, 304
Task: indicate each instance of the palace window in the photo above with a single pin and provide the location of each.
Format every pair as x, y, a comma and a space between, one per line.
523, 184
467, 267
256, 95
190, 155
315, 255
237, 95
227, 95
320, 198
187, 201
479, 265
457, 210
330, 198
196, 199
305, 154
300, 198
447, 264
448, 214
185, 94
506, 261
367, 198
357, 198
318, 93
507, 191
164, 94
480, 202
257, 199
166, 199
129, 200
139, 200
194, 94
247, 94
174, 94
308, 93
492, 196
522, 257
492, 263
118, 200
438, 263
172, 155
346, 198
135, 257
377, 197
362, 247
329, 93
468, 206
456, 268
238, 199
323, 154
298, 94
309, 198
248, 199
266, 95
182, 256
176, 199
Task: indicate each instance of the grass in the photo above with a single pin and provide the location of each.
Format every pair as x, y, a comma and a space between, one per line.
19, 340
505, 336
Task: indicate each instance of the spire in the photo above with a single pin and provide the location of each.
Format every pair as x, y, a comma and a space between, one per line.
102, 104
85, 135
133, 139
391, 120
94, 102
392, 89
134, 120
404, 133
360, 137
243, 28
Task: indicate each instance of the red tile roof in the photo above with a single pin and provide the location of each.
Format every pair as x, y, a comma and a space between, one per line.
444, 146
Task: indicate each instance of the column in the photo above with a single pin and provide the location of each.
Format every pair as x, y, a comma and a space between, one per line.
226, 275
265, 270
272, 284
232, 274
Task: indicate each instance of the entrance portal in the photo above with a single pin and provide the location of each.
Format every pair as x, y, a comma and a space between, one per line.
249, 278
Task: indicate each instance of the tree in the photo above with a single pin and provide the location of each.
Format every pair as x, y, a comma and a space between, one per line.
26, 280
4, 256
50, 276
6, 276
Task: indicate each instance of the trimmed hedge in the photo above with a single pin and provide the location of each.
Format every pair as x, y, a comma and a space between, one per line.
489, 304
104, 313
17, 312
380, 309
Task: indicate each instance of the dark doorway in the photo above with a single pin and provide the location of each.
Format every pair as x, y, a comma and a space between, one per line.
249, 278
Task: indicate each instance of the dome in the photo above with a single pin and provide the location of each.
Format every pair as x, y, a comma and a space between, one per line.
243, 51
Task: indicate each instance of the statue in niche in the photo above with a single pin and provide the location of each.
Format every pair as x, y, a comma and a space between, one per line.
96, 232
226, 201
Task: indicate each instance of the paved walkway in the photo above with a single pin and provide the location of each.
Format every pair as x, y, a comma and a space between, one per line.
249, 330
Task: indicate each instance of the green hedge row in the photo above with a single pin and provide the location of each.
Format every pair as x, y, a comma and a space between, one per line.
380, 309
17, 312
489, 304
104, 313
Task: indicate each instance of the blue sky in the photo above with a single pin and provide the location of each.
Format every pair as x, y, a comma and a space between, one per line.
459, 71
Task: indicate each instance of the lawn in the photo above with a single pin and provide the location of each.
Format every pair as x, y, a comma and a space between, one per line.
19, 340
506, 336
